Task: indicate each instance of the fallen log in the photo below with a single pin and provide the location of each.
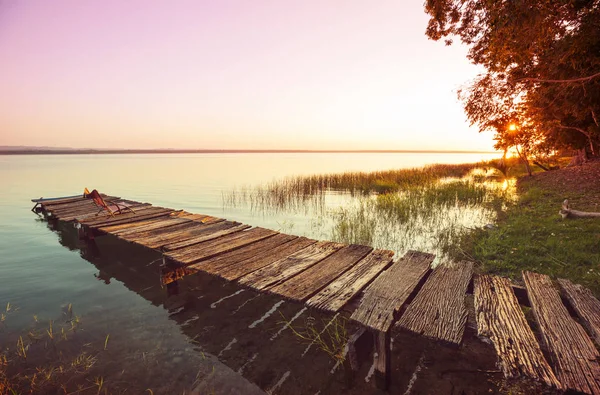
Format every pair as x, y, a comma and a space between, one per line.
566, 212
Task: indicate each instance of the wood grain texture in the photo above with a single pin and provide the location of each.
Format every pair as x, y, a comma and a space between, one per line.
149, 213
184, 232
243, 268
585, 305
56, 202
438, 311
573, 356
227, 243
283, 269
384, 298
160, 232
335, 296
58, 205
88, 207
311, 280
220, 263
500, 319
82, 206
204, 237
117, 229
97, 214
147, 230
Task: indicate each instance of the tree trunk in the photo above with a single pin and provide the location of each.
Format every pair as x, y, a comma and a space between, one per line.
524, 158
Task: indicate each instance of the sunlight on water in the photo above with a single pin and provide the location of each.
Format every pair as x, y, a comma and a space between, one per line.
138, 331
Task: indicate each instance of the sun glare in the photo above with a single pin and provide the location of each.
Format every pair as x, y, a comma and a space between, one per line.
512, 127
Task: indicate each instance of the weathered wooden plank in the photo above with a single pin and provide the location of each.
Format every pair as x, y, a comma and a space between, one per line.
97, 214
196, 217
134, 234
186, 232
117, 229
227, 243
217, 264
585, 305
310, 281
572, 353
149, 213
204, 237
285, 268
146, 229
500, 319
208, 220
344, 288
75, 205
57, 204
383, 359
243, 268
438, 311
57, 201
89, 207
384, 298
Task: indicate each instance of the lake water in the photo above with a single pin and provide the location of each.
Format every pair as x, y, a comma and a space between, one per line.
113, 287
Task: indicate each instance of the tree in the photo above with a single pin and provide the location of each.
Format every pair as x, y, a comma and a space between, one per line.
542, 68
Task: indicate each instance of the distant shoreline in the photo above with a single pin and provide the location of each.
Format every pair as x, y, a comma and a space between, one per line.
224, 151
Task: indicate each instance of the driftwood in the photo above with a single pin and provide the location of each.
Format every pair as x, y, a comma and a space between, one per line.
566, 212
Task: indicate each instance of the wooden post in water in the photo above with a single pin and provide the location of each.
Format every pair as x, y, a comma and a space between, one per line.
383, 360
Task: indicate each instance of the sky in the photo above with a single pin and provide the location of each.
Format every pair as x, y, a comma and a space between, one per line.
226, 74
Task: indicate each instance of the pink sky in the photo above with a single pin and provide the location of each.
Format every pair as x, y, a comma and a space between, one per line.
241, 74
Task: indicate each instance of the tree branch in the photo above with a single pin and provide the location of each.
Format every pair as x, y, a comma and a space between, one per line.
581, 79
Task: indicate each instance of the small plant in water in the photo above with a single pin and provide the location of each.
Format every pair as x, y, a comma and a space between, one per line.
331, 338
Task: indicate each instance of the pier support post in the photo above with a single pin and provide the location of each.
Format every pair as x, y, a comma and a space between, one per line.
85, 233
383, 360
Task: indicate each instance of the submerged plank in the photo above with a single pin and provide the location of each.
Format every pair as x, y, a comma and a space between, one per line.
231, 242
222, 262
500, 319
384, 298
343, 289
572, 353
243, 268
318, 276
204, 237
438, 311
585, 305
285, 268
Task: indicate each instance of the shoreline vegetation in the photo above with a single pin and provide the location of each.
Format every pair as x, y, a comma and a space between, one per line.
490, 212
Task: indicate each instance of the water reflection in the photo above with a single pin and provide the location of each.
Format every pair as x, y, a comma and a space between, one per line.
246, 331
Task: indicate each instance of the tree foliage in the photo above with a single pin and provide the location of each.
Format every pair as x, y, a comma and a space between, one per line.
542, 69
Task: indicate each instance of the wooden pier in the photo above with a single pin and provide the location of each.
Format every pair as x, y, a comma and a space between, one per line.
377, 292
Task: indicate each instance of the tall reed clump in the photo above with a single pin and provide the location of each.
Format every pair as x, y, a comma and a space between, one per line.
302, 193
430, 218
426, 208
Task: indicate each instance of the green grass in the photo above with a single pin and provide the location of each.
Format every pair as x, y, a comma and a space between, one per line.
530, 235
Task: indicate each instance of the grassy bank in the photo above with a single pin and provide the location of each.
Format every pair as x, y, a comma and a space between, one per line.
530, 235
467, 211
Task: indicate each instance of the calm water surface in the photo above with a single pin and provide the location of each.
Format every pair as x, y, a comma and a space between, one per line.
42, 271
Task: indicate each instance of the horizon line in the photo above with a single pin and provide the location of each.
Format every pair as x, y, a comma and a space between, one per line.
89, 151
